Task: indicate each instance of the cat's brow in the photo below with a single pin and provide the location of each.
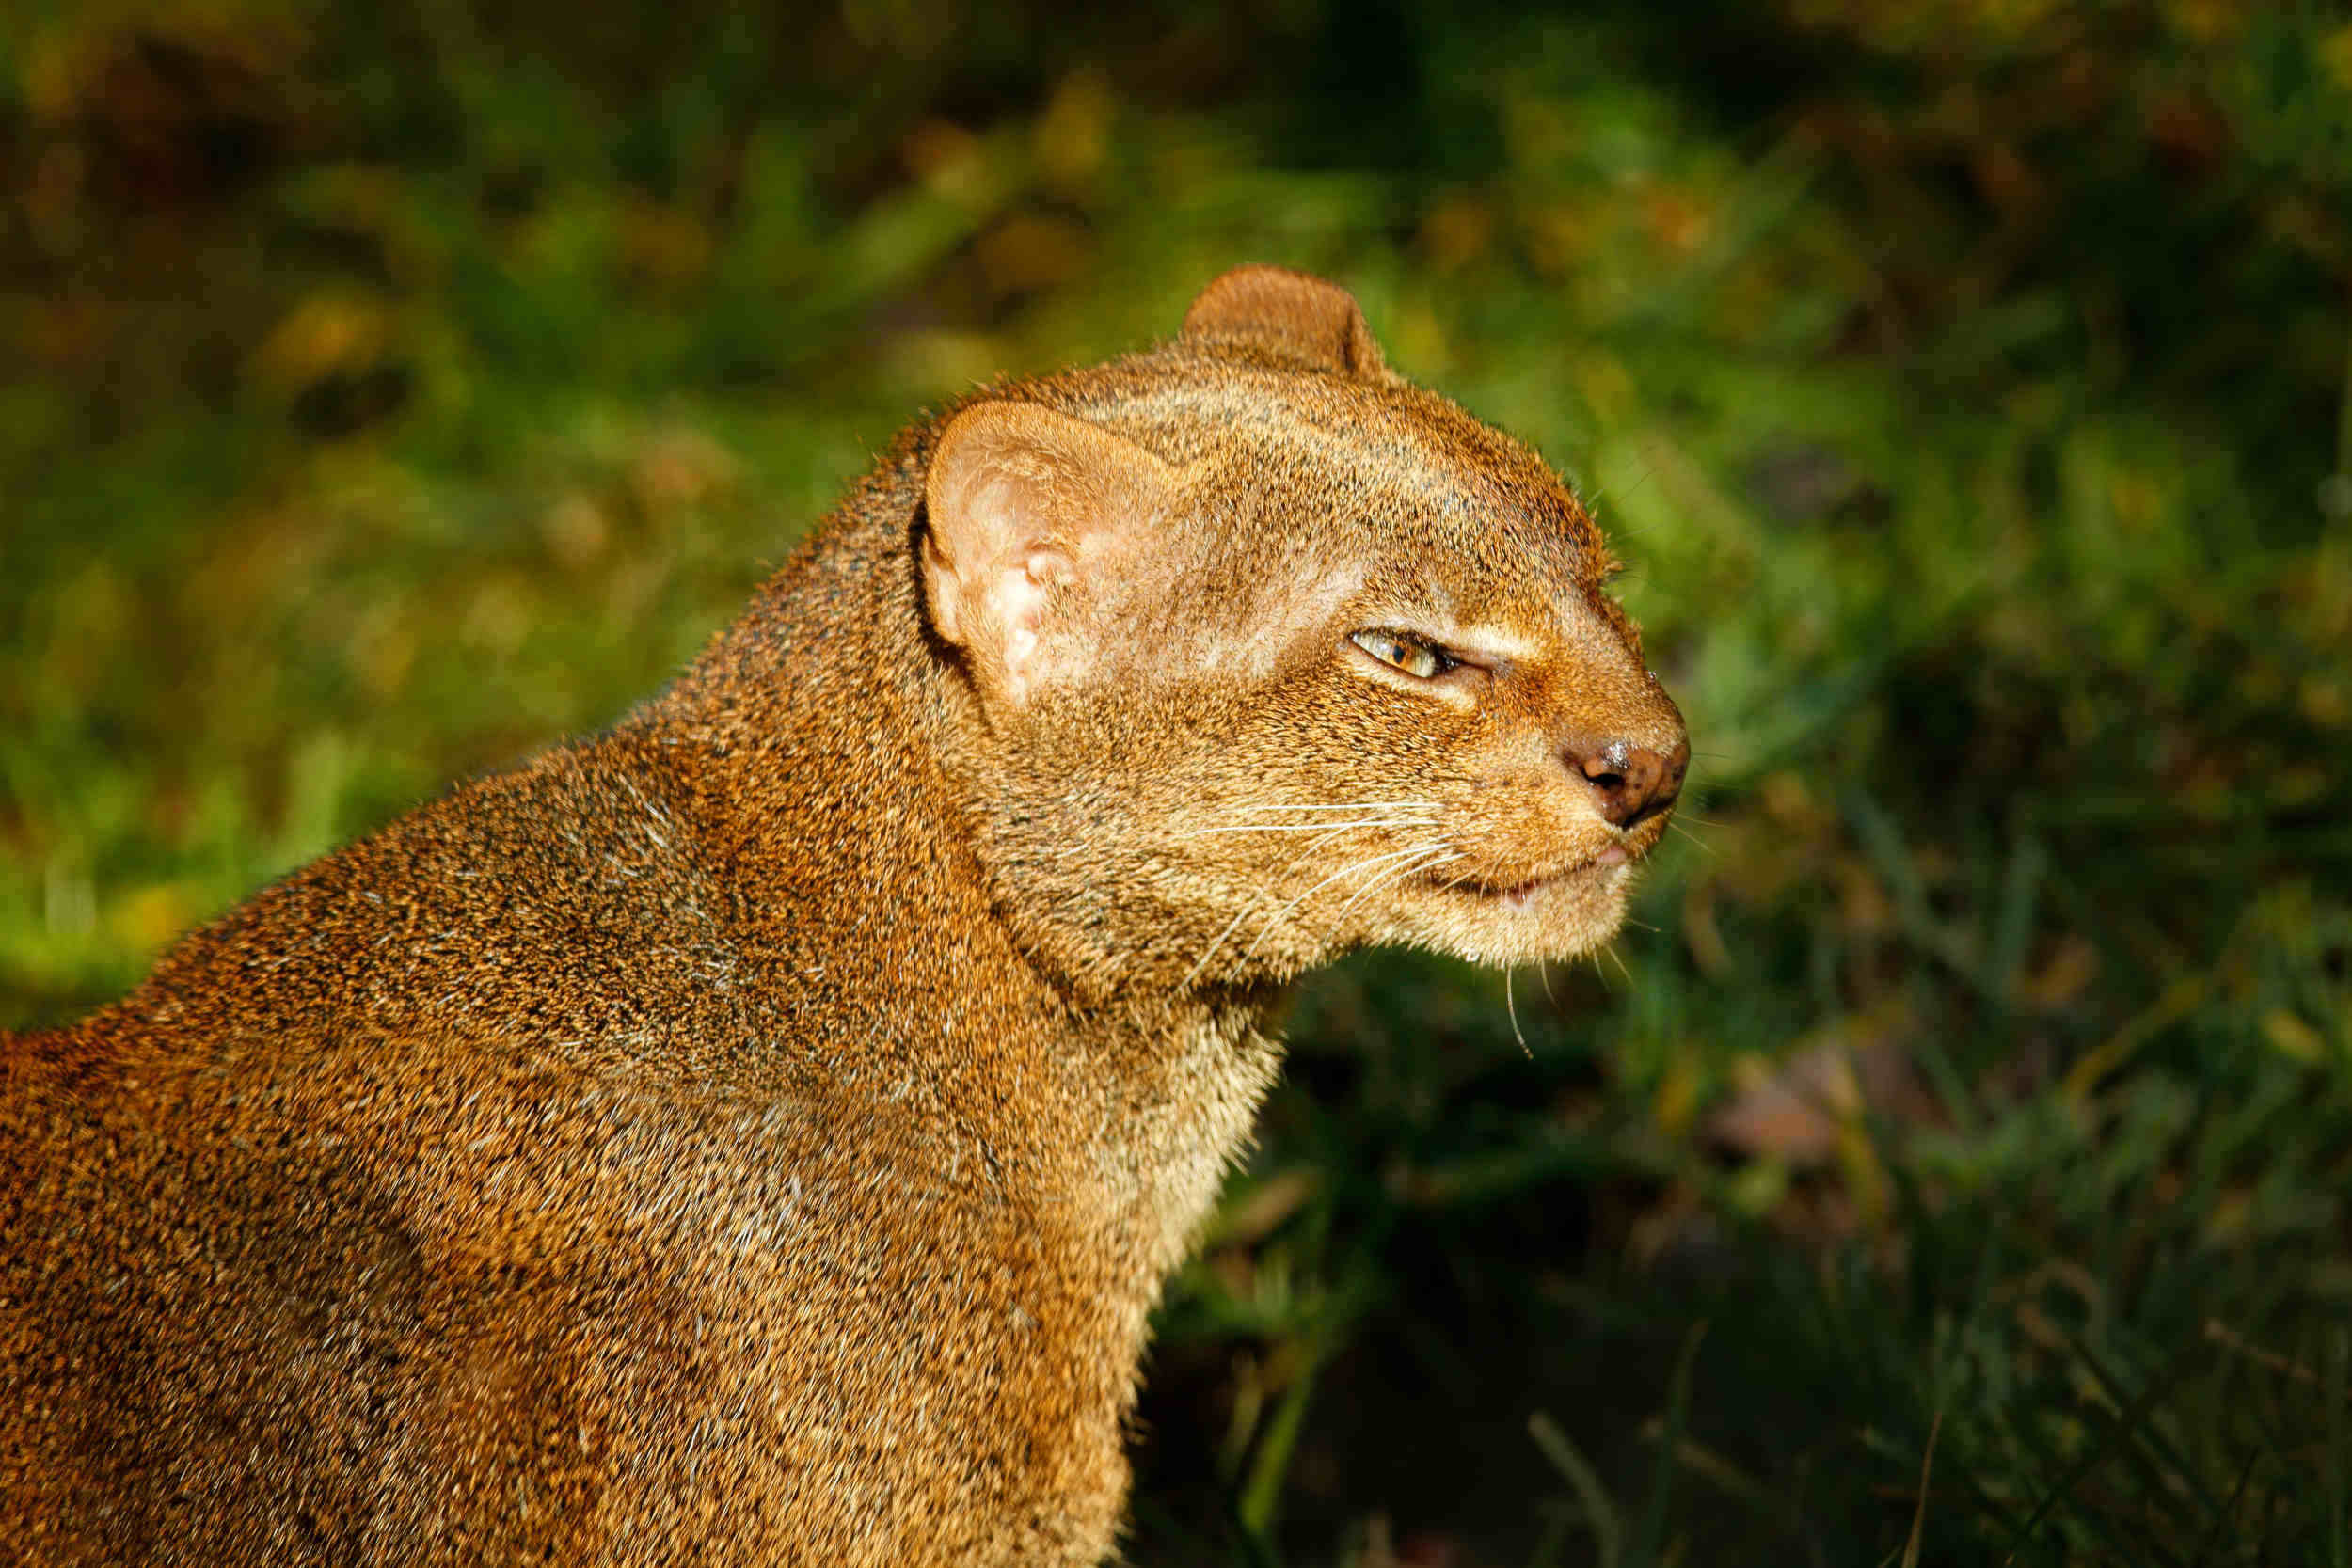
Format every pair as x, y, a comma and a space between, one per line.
1482, 638
1513, 627
1493, 641
1572, 605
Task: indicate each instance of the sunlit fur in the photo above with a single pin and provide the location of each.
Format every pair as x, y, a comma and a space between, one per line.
758, 1133
1209, 682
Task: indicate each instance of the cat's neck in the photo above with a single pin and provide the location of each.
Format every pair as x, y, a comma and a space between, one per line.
837, 774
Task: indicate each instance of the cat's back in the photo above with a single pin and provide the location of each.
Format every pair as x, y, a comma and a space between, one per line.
516, 1147
272, 1214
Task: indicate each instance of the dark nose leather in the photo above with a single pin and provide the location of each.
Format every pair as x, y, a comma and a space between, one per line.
1633, 782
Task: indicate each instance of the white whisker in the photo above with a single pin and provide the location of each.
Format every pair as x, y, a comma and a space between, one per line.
1318, 827
1216, 942
1349, 869
1438, 856
1350, 805
1511, 1006
1243, 914
1327, 836
1675, 827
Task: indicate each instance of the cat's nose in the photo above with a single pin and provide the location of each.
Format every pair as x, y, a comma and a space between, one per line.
1631, 782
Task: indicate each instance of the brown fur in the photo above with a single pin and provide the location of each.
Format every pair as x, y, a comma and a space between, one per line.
757, 1134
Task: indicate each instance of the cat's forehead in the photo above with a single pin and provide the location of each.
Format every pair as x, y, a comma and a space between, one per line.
1379, 473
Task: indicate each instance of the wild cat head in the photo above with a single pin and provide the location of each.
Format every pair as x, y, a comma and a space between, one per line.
1265, 655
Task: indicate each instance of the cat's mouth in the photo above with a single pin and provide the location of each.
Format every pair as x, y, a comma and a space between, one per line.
1524, 895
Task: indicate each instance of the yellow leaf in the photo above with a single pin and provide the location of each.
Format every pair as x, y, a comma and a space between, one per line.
2335, 53
2291, 1037
150, 916
1677, 1095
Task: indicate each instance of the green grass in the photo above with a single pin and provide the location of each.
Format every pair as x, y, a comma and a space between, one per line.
384, 397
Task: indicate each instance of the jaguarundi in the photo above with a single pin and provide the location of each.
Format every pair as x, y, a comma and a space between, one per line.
757, 1134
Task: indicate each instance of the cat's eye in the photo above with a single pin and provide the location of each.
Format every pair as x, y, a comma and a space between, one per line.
1408, 654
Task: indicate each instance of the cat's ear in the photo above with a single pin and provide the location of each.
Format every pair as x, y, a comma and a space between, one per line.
1290, 310
1022, 504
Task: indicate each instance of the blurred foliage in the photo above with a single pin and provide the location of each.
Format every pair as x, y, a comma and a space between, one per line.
1951, 1166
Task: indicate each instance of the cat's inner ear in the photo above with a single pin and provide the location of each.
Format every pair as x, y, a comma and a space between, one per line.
1023, 506
1291, 310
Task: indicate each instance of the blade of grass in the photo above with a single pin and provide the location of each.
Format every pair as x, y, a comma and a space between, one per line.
1648, 1546
1705, 1462
1919, 1513
1257, 1551
2155, 1436
2209, 1543
2012, 924
2116, 1424
1600, 1515
2339, 1459
1261, 1493
1559, 1519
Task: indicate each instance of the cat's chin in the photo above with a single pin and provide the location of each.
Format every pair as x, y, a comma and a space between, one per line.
1560, 916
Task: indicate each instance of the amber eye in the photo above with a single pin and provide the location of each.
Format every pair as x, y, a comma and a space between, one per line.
1410, 655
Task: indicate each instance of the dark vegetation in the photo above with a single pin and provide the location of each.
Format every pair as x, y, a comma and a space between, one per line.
1953, 1165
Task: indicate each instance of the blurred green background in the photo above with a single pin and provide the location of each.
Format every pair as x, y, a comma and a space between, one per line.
1949, 1166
